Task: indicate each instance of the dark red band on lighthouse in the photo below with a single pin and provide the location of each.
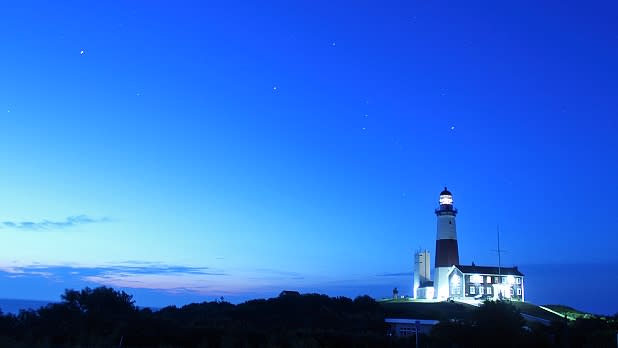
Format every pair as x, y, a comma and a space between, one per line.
447, 253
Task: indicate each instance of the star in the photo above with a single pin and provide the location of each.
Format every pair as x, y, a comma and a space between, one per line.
81, 53
452, 128
334, 44
274, 88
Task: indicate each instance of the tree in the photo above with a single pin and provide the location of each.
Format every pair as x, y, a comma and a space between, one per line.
101, 314
99, 300
498, 322
492, 324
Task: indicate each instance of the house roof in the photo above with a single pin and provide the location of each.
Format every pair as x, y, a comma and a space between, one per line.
446, 192
289, 293
489, 270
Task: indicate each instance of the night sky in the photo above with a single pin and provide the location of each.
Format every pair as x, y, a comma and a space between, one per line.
185, 151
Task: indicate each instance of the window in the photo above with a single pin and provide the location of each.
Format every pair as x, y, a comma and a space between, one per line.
489, 290
472, 290
496, 280
511, 291
503, 280
518, 292
476, 278
518, 280
488, 280
481, 290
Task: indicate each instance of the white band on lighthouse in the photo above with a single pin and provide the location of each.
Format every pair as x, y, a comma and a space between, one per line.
446, 227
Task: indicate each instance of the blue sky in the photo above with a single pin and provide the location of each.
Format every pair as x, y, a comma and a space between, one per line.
234, 148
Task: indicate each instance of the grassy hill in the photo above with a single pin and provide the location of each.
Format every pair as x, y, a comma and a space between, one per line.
425, 310
570, 312
537, 311
452, 310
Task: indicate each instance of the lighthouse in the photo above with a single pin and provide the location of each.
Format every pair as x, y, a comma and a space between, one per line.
447, 251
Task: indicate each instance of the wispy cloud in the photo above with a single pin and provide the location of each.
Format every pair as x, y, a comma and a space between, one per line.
144, 267
400, 274
161, 277
130, 274
70, 221
17, 271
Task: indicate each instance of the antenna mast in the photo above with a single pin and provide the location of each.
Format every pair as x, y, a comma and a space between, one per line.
499, 252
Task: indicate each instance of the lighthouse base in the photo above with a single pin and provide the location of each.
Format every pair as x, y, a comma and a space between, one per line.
441, 288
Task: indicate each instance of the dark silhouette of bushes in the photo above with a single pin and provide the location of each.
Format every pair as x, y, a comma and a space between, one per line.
499, 324
104, 317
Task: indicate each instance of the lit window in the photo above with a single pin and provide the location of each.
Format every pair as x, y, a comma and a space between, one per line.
476, 278
503, 280
488, 280
472, 290
518, 280
518, 292
489, 290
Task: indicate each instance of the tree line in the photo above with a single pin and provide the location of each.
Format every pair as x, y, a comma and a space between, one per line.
104, 317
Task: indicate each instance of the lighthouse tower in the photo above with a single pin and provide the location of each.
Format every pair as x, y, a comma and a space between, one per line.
447, 251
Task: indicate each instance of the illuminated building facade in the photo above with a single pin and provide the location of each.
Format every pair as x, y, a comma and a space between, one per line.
486, 283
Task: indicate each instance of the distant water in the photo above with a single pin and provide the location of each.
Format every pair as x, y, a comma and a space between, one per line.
14, 306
